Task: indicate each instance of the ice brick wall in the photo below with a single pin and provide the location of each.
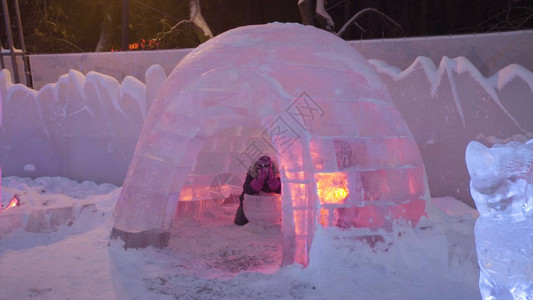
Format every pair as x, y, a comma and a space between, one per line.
318, 104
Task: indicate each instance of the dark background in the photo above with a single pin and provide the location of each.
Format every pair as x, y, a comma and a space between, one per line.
62, 26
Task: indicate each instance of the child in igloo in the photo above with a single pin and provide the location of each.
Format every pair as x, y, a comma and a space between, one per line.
262, 176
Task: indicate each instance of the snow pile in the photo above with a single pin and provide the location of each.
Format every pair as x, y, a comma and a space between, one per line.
48, 203
210, 258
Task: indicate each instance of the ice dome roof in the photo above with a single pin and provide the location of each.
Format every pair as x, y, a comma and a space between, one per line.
291, 58
318, 105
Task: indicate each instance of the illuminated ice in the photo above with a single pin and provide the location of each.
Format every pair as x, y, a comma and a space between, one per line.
502, 188
297, 93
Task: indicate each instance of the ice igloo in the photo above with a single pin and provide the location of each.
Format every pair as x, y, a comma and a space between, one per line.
346, 156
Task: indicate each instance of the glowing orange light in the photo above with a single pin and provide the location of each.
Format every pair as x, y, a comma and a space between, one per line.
324, 217
295, 175
332, 187
298, 194
186, 194
12, 204
15, 201
300, 224
316, 156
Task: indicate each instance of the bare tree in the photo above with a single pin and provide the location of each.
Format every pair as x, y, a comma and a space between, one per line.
515, 16
359, 14
194, 30
306, 12
323, 17
307, 15
109, 25
197, 19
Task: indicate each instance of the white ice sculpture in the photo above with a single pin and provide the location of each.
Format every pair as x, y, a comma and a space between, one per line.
502, 187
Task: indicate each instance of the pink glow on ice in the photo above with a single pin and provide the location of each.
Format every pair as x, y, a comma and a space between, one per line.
350, 165
15, 201
298, 194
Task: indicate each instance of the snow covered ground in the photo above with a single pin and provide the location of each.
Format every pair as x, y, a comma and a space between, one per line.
65, 253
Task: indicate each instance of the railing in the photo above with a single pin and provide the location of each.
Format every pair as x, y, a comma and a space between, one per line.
12, 52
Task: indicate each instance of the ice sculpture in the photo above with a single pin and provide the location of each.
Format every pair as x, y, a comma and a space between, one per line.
502, 187
298, 93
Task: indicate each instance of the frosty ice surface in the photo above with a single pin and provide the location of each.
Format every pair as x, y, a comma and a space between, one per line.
502, 188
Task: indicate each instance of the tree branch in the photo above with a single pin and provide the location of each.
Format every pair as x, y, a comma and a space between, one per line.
306, 12
197, 18
323, 17
360, 13
70, 43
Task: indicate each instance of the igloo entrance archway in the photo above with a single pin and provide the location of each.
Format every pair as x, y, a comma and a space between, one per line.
346, 156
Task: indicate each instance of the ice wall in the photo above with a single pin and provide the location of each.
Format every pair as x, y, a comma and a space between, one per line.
82, 127
47, 68
489, 52
448, 105
445, 106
